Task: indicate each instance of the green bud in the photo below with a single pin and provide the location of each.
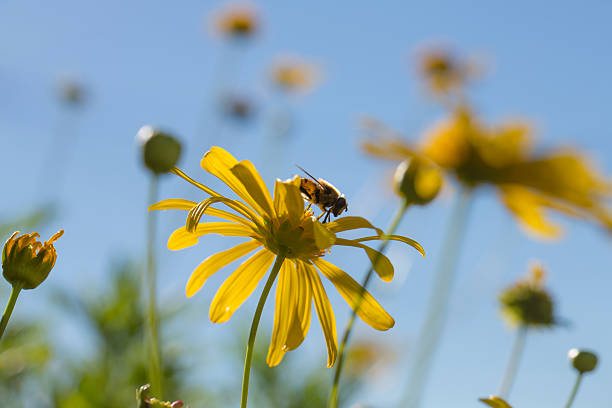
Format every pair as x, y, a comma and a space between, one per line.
160, 151
582, 360
417, 180
27, 262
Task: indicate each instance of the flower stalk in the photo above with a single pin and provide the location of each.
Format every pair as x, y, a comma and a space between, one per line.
431, 333
152, 318
333, 401
9, 308
572, 396
254, 325
515, 357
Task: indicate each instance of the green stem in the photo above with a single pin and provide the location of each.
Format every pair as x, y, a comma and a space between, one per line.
251, 344
333, 400
435, 318
515, 357
9, 308
572, 396
152, 318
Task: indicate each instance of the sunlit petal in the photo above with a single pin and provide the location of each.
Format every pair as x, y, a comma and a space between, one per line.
324, 312
219, 163
283, 313
324, 238
180, 238
180, 204
351, 223
399, 238
254, 185
288, 200
239, 285
301, 319
215, 262
382, 265
370, 311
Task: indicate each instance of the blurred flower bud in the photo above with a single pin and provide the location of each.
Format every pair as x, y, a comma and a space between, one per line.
582, 360
177, 404
27, 262
527, 302
417, 180
236, 21
160, 151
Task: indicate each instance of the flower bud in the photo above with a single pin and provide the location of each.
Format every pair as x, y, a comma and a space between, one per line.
177, 404
582, 360
26, 261
417, 180
160, 150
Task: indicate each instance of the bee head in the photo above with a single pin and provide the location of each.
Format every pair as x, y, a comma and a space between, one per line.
339, 206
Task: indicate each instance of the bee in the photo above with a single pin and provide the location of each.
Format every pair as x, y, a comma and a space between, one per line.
324, 194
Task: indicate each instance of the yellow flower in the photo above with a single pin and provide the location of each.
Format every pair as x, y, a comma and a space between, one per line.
443, 71
27, 262
277, 226
501, 156
527, 302
294, 75
236, 21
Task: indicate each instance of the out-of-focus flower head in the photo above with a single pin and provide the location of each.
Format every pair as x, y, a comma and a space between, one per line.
527, 303
528, 183
72, 92
444, 71
236, 21
237, 107
277, 225
582, 360
26, 262
160, 150
294, 75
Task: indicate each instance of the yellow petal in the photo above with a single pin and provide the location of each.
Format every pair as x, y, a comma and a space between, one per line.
529, 209
351, 223
283, 314
288, 200
239, 285
219, 163
173, 204
215, 262
400, 238
255, 186
204, 207
382, 265
180, 238
324, 238
180, 204
324, 312
370, 311
495, 402
201, 186
301, 318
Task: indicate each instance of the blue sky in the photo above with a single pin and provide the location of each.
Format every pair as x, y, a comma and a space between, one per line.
149, 62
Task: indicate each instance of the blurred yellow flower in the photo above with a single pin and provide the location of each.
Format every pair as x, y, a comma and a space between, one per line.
443, 71
529, 184
236, 21
527, 302
277, 226
294, 74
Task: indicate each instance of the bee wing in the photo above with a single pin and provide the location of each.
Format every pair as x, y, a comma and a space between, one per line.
310, 175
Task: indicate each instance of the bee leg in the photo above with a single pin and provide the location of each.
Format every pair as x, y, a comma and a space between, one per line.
327, 216
322, 214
